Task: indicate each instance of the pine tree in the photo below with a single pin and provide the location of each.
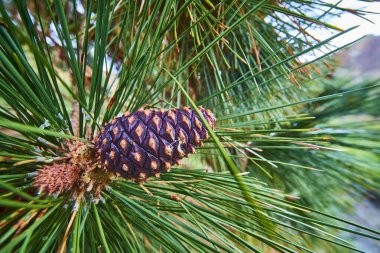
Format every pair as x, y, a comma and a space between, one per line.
101, 107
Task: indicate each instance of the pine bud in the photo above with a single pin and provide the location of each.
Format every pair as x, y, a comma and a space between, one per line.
57, 178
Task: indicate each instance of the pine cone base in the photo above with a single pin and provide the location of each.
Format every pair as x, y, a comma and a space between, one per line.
148, 142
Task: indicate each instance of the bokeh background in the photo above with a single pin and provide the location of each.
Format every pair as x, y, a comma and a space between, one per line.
360, 62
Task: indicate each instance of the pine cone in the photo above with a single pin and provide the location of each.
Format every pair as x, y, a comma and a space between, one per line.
148, 142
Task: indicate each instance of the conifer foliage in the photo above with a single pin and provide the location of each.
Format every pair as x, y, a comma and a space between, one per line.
101, 107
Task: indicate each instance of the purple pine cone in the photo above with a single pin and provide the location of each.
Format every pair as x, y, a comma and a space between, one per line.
148, 142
